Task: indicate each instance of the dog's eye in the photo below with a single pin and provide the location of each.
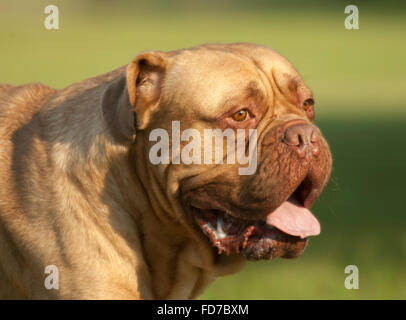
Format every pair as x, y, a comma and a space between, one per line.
240, 115
308, 103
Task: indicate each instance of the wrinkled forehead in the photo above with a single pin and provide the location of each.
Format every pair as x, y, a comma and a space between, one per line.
208, 82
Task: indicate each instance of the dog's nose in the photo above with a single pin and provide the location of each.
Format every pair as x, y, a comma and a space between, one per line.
303, 137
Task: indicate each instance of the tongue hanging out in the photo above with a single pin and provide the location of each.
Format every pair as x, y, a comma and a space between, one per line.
294, 219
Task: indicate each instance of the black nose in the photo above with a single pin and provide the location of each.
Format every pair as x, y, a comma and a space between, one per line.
303, 137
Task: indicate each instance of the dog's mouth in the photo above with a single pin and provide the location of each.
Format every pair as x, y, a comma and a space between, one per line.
282, 233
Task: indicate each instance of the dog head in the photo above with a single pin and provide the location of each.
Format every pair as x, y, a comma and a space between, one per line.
228, 137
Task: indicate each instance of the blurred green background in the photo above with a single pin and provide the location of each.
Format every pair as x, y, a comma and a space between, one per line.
358, 77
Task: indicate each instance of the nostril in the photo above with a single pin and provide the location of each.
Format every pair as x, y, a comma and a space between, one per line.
291, 138
303, 141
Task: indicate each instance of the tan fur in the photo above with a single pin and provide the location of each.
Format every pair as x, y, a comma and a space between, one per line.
76, 195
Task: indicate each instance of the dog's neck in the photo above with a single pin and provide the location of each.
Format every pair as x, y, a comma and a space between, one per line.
182, 262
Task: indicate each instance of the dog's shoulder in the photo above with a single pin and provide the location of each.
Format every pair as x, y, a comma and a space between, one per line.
17, 100
18, 94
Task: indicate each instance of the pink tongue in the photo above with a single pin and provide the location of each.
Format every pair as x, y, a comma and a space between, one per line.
294, 219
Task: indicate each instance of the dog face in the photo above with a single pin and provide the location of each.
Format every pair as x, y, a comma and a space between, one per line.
240, 88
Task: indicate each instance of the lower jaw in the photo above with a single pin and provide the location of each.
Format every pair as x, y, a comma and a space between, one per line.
273, 244
256, 242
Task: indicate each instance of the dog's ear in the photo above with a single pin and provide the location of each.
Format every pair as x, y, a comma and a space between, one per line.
127, 100
144, 79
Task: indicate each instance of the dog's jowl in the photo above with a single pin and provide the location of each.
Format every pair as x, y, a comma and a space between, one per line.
79, 190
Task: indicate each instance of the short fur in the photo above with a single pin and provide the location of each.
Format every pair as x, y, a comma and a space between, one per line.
77, 190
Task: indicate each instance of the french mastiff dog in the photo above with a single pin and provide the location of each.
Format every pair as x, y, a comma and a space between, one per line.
78, 191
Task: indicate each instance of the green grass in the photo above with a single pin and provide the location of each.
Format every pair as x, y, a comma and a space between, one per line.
359, 84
